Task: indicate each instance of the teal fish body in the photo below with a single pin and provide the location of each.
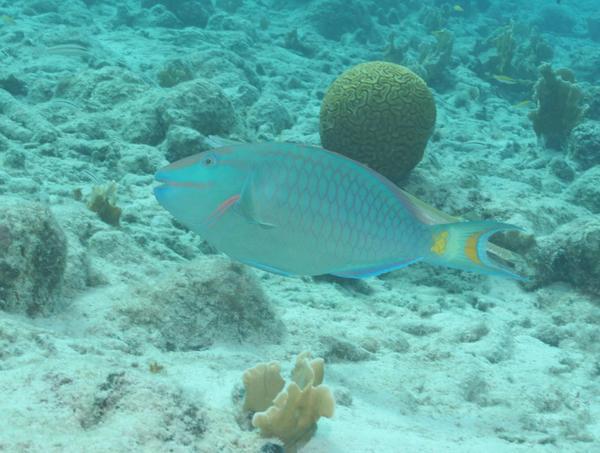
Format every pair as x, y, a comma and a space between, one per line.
301, 210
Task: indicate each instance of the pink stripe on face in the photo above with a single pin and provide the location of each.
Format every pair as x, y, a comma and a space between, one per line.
222, 209
227, 203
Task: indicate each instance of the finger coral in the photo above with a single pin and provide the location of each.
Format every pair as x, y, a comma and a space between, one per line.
292, 416
262, 384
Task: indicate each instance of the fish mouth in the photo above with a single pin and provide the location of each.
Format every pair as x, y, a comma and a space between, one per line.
188, 185
167, 182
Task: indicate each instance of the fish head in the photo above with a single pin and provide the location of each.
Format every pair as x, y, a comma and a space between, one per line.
198, 189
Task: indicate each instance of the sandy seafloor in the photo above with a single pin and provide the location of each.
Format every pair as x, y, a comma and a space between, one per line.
420, 360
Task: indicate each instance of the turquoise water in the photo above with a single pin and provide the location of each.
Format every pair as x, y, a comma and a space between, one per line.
122, 329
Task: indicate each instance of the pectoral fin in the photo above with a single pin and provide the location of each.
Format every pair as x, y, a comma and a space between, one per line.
246, 205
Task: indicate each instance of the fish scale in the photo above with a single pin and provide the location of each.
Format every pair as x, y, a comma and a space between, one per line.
341, 207
302, 210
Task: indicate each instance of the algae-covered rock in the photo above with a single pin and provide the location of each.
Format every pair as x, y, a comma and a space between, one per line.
197, 104
188, 12
570, 254
555, 19
585, 191
182, 142
560, 106
101, 89
269, 116
33, 253
584, 144
207, 300
333, 18
593, 26
174, 72
381, 114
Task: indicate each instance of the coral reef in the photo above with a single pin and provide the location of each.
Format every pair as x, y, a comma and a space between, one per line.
570, 254
380, 114
181, 142
101, 89
210, 299
33, 253
13, 85
434, 18
555, 19
559, 106
585, 190
332, 18
291, 414
268, 117
584, 144
392, 52
511, 55
593, 26
187, 12
173, 73
197, 104
435, 58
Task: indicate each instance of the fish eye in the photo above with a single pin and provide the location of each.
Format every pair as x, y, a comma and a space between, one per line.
209, 160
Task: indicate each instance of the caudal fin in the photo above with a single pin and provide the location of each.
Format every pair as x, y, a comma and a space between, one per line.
464, 245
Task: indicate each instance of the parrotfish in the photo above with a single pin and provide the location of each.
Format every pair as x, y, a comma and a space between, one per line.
296, 209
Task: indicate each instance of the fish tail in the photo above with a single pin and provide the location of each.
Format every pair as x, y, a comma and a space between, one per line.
464, 245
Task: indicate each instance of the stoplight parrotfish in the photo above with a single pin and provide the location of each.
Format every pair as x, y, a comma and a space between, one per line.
296, 209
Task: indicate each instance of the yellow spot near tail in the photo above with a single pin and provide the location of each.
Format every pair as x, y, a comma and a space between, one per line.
440, 241
471, 248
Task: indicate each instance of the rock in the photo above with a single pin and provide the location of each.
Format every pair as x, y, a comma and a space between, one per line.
570, 254
472, 333
585, 191
21, 124
207, 300
140, 159
103, 88
197, 104
33, 252
555, 19
398, 344
337, 350
173, 72
475, 389
182, 142
584, 144
593, 25
343, 397
231, 6
333, 18
13, 85
269, 116
561, 170
188, 12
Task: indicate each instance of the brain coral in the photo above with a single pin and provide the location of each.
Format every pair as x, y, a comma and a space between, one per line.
380, 114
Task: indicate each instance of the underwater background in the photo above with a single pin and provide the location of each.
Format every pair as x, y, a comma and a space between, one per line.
121, 330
